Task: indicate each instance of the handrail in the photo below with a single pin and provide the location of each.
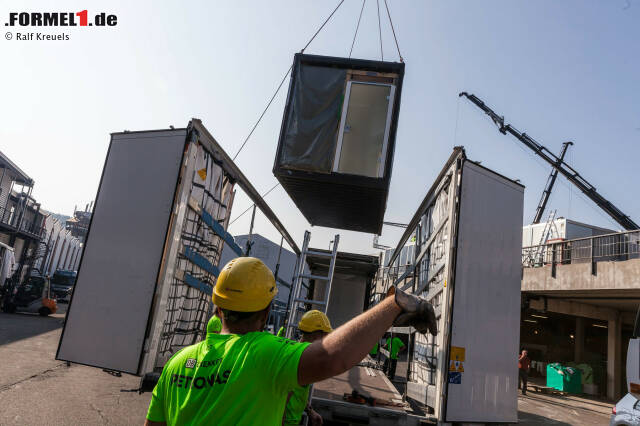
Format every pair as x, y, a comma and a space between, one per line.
616, 247
583, 238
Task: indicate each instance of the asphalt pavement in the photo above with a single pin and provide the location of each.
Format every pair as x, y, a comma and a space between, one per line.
35, 389
541, 409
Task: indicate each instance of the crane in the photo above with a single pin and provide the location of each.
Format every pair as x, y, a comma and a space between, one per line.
542, 204
557, 163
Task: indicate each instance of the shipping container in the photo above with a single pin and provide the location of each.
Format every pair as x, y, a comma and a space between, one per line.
468, 232
560, 229
153, 247
352, 282
351, 289
464, 257
335, 152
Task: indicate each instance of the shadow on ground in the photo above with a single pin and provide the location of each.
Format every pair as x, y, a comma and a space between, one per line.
525, 418
14, 327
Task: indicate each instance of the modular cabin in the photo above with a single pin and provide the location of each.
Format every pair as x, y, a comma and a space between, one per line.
335, 152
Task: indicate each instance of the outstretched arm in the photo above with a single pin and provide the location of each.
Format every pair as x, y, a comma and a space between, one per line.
347, 345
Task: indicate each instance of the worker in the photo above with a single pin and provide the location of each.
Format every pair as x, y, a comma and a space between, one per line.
281, 332
313, 325
524, 363
393, 345
243, 376
374, 351
214, 325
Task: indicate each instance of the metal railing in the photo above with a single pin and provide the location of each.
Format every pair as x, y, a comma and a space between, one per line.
7, 216
12, 219
601, 248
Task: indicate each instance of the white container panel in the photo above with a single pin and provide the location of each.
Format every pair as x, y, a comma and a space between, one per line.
485, 331
117, 277
346, 300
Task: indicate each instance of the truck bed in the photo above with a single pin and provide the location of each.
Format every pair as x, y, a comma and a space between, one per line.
360, 379
328, 399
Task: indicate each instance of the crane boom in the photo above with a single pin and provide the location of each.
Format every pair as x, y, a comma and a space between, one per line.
542, 204
559, 164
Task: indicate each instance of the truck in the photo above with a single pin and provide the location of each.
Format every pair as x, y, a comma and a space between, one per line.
465, 259
62, 283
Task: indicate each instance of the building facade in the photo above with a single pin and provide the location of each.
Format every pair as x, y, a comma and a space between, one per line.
78, 225
21, 221
60, 249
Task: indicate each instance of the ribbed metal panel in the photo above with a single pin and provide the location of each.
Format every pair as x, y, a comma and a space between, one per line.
338, 205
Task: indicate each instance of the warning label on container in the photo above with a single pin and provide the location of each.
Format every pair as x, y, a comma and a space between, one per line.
456, 366
455, 378
456, 363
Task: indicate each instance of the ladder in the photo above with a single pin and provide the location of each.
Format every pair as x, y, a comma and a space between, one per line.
546, 233
298, 301
298, 283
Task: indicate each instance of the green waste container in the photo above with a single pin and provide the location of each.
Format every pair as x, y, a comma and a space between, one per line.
566, 379
585, 370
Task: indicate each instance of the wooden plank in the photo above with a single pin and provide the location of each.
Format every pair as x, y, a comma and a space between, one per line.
199, 260
215, 226
194, 282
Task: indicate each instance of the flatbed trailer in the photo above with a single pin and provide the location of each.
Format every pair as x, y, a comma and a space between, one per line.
329, 399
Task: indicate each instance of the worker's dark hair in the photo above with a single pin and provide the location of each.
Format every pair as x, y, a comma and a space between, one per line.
309, 333
234, 317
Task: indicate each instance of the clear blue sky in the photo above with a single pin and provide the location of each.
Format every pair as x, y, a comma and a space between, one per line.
557, 70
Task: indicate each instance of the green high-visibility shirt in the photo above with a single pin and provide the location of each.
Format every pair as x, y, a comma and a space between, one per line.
394, 347
374, 350
228, 379
296, 405
281, 332
214, 325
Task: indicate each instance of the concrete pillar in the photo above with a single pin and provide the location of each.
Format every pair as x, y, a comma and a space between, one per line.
579, 340
614, 358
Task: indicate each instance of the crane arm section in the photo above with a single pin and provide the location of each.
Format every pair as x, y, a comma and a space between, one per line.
559, 164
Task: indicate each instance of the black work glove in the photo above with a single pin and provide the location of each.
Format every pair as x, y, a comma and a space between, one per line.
416, 312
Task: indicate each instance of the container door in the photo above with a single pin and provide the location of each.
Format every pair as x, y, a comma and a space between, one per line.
364, 129
482, 380
109, 310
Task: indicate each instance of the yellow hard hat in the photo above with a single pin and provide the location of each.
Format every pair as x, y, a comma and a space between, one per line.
314, 320
245, 284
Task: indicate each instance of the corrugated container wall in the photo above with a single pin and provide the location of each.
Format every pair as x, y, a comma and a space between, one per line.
152, 252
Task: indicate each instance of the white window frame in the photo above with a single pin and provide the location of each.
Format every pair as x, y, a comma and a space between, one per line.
387, 129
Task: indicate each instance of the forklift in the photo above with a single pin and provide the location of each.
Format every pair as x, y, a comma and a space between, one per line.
34, 296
